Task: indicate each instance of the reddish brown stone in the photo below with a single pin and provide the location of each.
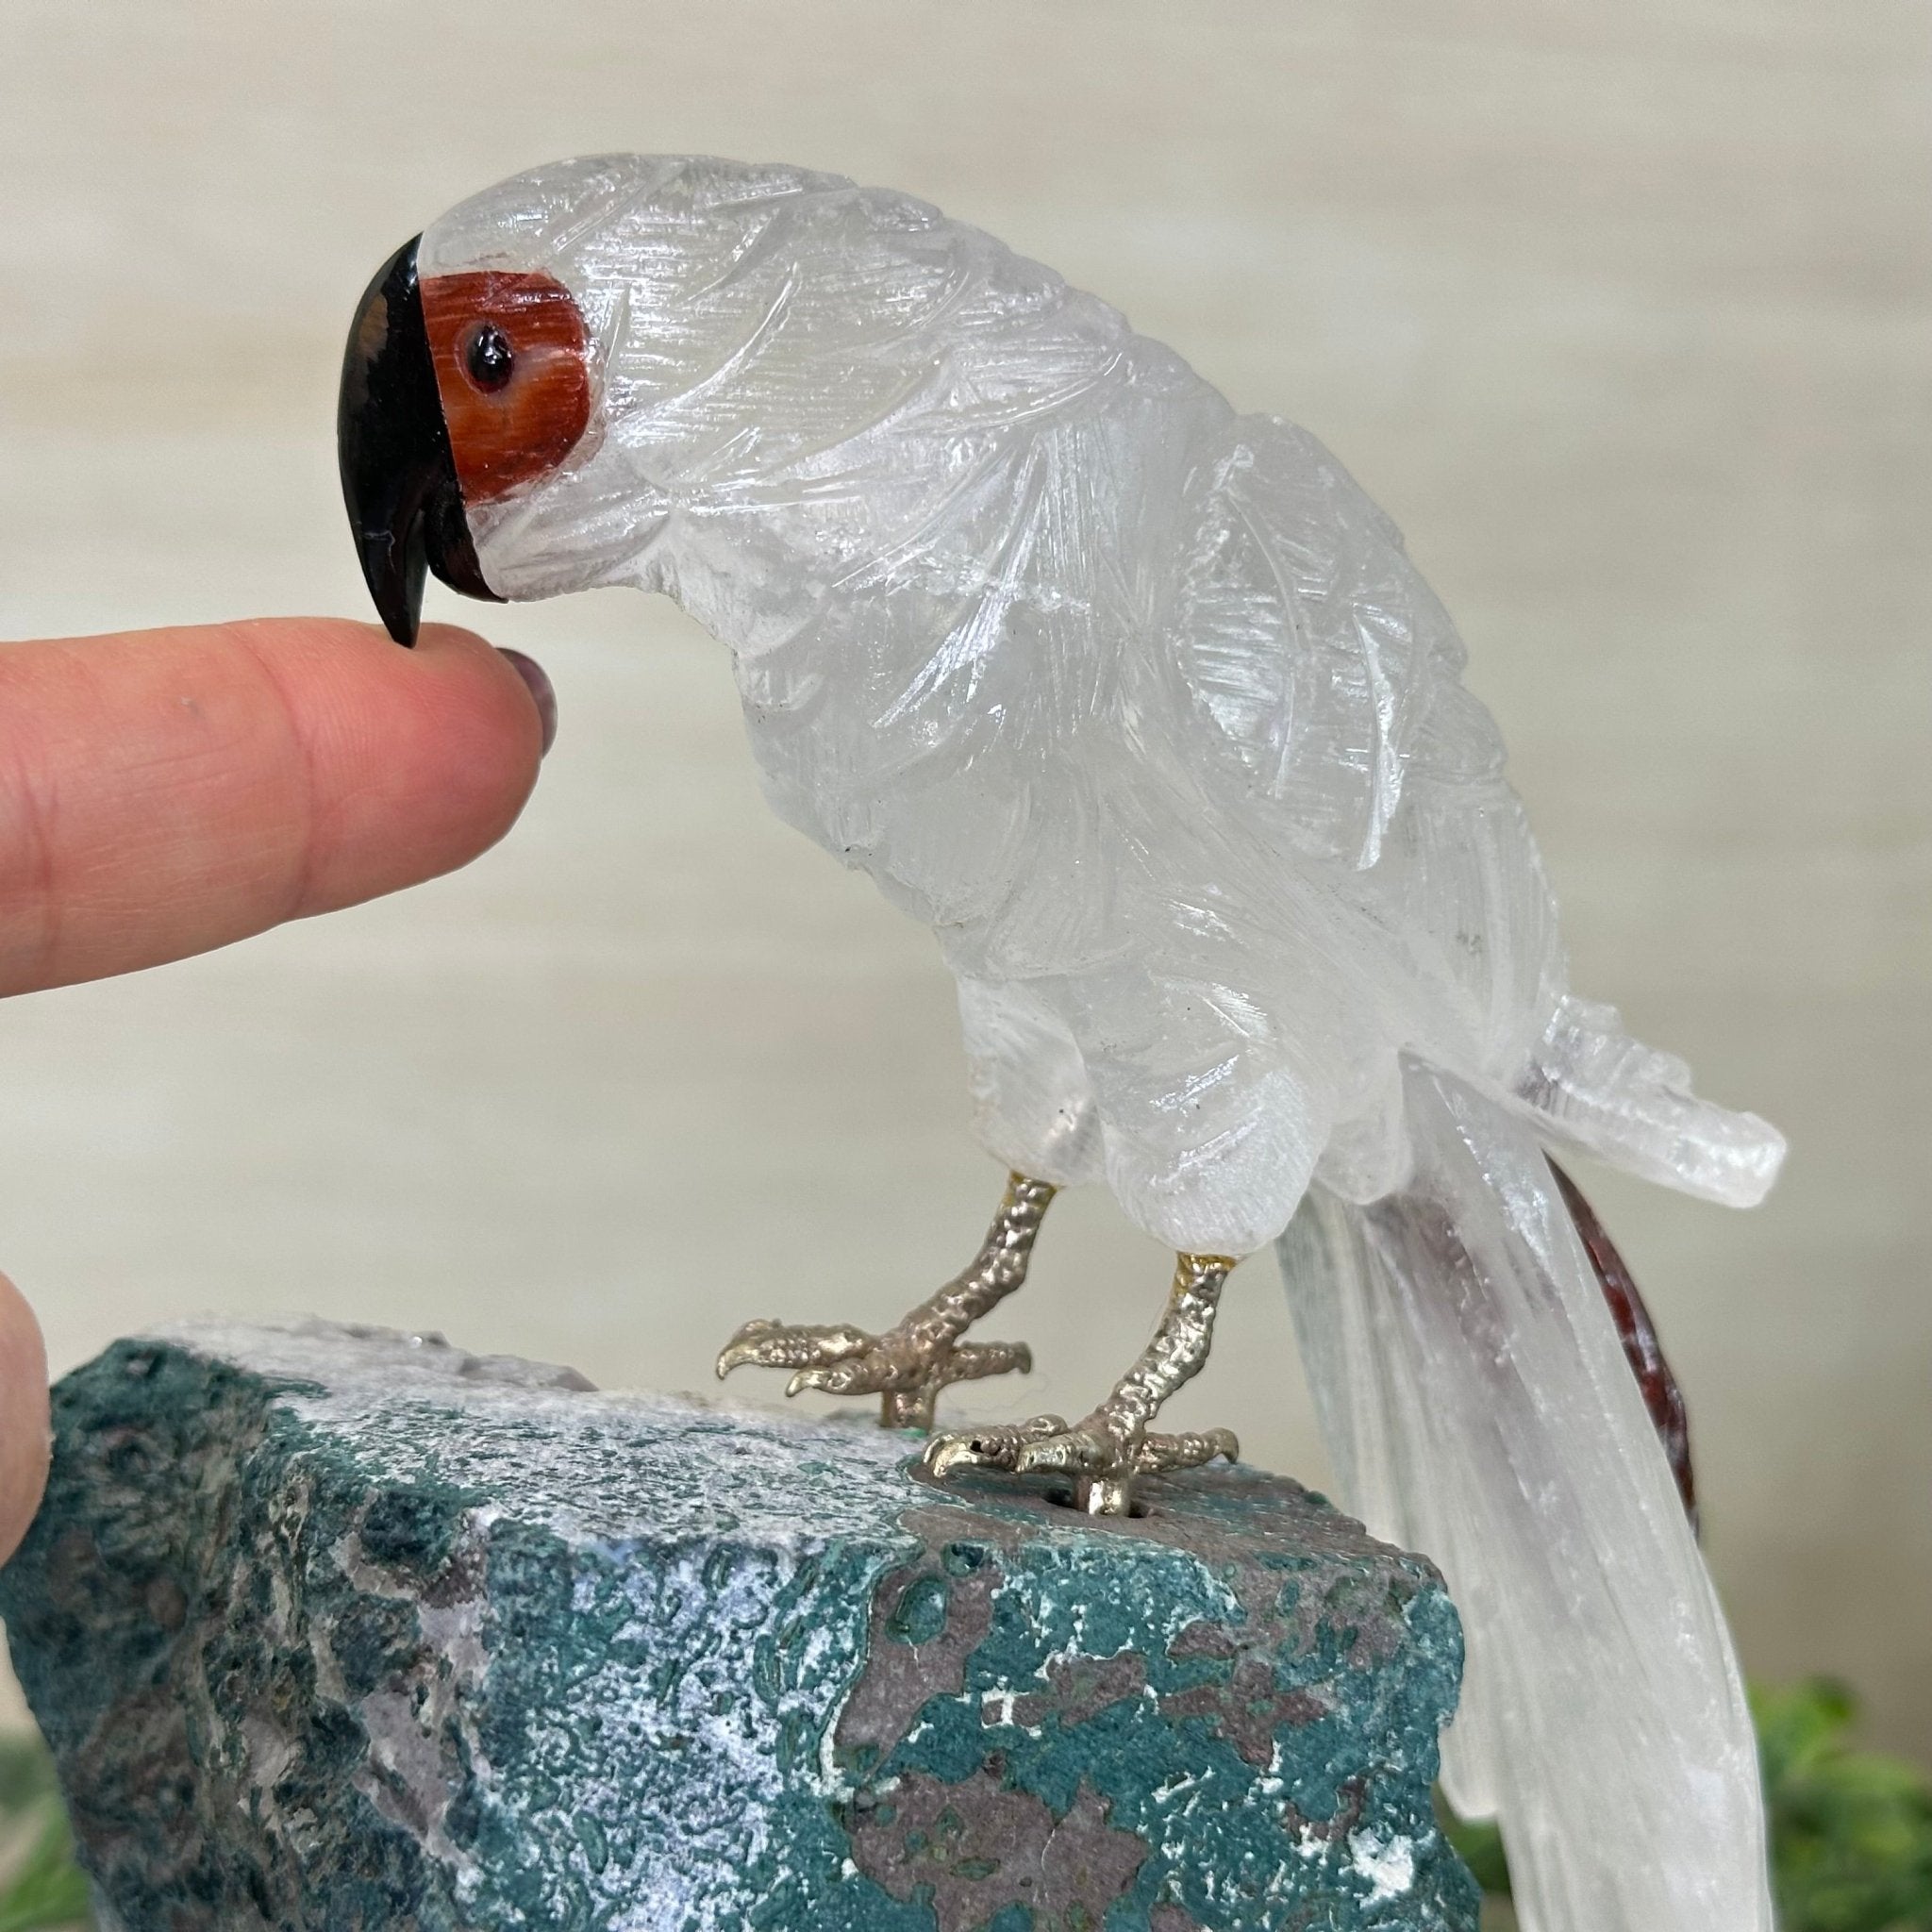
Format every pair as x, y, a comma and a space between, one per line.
1082, 1686
503, 435
1642, 1349
978, 1848
1244, 1708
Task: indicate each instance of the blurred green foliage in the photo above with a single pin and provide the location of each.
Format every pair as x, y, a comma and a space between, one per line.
1480, 1845
1851, 1831
41, 1886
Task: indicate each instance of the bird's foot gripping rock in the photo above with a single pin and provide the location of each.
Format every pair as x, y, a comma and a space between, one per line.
1103, 1454
906, 1367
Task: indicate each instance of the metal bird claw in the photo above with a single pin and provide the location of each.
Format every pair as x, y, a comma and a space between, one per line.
1103, 1455
907, 1366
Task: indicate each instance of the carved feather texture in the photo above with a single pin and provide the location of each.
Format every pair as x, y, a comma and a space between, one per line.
1138, 703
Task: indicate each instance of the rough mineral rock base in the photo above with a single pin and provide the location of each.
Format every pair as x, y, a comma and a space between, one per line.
341, 1629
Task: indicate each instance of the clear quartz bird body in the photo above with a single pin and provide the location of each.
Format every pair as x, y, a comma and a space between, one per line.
1140, 704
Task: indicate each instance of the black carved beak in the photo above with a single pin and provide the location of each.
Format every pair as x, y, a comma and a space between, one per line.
399, 478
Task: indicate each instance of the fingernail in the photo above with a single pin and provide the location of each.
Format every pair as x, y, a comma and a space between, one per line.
541, 691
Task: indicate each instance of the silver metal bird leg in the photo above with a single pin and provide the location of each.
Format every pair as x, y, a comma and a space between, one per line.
910, 1364
1105, 1453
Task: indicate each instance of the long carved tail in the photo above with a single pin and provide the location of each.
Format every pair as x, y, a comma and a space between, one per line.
1478, 1405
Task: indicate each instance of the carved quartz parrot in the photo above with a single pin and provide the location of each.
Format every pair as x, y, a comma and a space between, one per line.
1140, 704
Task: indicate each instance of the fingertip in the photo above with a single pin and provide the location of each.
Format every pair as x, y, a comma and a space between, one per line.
162, 793
425, 764
495, 691
26, 1441
543, 692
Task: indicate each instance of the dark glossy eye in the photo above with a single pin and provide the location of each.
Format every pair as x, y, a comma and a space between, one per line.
488, 357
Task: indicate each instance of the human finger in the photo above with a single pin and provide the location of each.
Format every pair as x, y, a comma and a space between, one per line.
163, 792
23, 1436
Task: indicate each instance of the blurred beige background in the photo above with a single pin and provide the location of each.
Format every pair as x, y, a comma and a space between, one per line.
1620, 310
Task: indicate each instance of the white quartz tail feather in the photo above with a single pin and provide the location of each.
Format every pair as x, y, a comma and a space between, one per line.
1477, 1405
1593, 1087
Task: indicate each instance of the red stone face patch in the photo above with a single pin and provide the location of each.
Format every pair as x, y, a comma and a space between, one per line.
512, 369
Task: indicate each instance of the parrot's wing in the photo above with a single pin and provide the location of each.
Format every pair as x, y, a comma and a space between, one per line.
1325, 678
1329, 723
1477, 1405
1328, 668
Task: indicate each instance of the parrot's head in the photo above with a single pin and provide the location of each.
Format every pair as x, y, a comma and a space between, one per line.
464, 382
534, 381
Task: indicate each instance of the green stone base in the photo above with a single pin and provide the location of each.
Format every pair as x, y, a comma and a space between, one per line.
331, 1629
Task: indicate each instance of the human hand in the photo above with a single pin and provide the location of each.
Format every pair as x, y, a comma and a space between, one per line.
166, 793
